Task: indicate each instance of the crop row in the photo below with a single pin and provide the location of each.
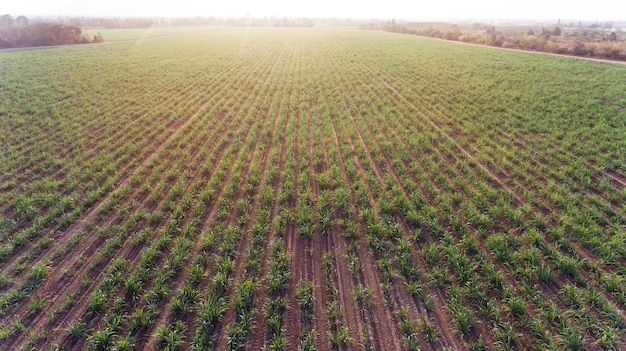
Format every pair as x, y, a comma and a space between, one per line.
311, 189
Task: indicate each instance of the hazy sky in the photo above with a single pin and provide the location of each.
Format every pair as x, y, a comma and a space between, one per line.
385, 9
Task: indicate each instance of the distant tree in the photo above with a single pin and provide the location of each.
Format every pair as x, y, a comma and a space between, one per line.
97, 38
582, 41
76, 22
578, 47
4, 43
20, 33
21, 21
612, 37
6, 21
391, 26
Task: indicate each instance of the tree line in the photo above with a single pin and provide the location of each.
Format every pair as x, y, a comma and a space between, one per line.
149, 22
607, 43
20, 32
91, 23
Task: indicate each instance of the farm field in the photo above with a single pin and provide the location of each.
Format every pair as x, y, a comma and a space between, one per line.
310, 189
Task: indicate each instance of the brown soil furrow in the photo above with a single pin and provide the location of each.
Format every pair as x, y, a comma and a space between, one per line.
256, 337
291, 314
303, 260
296, 243
441, 315
449, 341
303, 256
616, 178
383, 332
290, 239
320, 247
344, 286
317, 244
344, 283
320, 321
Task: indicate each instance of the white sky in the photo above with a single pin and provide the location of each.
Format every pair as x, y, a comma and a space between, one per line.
614, 10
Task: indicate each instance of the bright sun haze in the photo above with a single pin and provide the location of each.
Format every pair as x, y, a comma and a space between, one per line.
449, 9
